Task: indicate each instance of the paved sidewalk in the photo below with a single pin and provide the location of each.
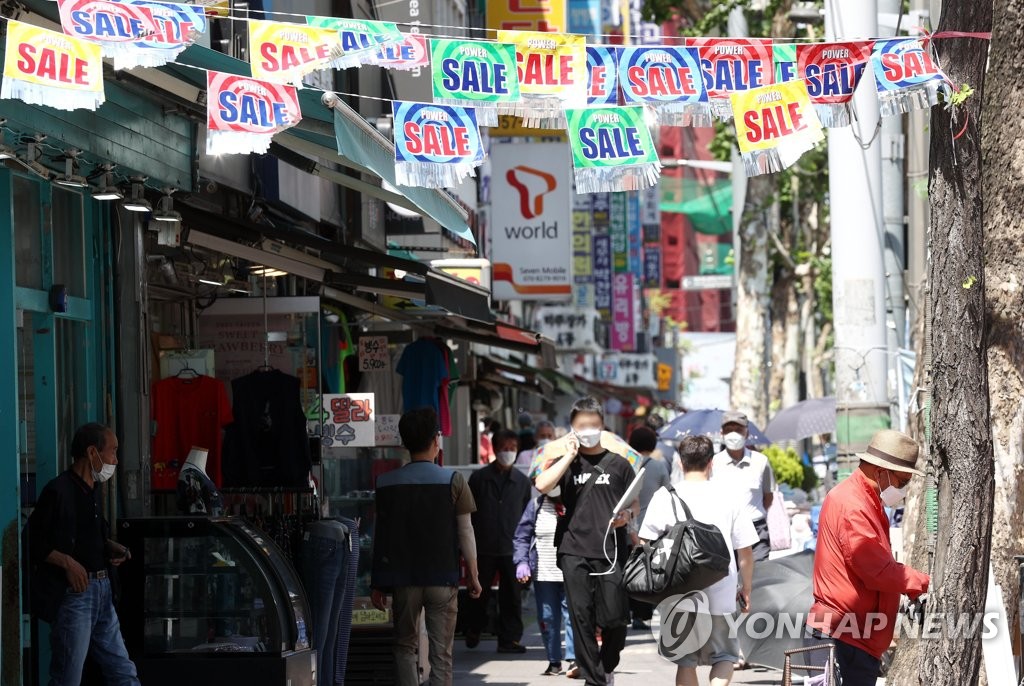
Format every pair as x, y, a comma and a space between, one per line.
641, 665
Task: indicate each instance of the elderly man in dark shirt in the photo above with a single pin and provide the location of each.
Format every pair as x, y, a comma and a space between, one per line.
501, 493
71, 558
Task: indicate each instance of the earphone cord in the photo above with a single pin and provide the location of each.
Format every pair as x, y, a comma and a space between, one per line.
613, 562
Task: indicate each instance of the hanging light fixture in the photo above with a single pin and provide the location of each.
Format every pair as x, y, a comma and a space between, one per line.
32, 155
269, 272
137, 202
165, 208
70, 178
106, 189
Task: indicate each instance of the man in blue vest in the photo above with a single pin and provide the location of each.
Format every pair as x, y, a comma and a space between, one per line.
423, 519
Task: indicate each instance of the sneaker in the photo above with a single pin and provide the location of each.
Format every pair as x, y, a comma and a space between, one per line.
472, 640
515, 647
554, 669
573, 672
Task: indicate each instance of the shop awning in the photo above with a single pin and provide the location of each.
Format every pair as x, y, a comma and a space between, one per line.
707, 206
514, 374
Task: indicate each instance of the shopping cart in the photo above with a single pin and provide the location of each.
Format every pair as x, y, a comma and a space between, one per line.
826, 674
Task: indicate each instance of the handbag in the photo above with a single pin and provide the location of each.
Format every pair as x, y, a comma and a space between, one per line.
778, 524
689, 557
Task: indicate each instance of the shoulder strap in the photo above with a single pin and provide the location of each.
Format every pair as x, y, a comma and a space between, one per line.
600, 469
644, 463
675, 498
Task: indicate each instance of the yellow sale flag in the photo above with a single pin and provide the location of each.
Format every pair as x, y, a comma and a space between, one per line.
43, 67
285, 53
775, 125
552, 76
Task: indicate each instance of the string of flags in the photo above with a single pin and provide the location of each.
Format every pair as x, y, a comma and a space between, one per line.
608, 99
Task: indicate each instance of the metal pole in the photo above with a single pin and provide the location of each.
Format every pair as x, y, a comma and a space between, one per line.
858, 267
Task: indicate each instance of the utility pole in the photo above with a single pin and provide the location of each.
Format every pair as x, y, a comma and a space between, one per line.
858, 264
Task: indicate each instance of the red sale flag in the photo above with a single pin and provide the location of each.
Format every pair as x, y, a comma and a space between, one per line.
243, 114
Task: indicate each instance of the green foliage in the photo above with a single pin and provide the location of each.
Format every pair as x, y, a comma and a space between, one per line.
970, 281
960, 97
810, 478
786, 465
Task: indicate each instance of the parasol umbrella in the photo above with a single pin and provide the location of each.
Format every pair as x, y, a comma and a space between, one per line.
805, 419
552, 452
782, 589
706, 423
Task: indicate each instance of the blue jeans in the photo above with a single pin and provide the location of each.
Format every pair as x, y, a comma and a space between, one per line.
86, 624
552, 615
325, 551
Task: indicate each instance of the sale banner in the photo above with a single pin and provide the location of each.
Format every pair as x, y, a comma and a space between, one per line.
552, 70
436, 146
43, 67
285, 53
733, 65
784, 55
243, 114
134, 33
602, 76
832, 72
474, 74
412, 53
670, 80
775, 125
612, 149
360, 38
906, 76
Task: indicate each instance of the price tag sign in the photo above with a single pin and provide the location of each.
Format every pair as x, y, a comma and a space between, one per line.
387, 431
348, 421
364, 617
373, 354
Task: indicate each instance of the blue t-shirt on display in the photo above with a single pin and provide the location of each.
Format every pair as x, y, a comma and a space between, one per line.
423, 368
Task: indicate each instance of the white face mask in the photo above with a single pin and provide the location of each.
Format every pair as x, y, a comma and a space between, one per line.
506, 458
734, 441
106, 471
555, 492
589, 438
893, 496
543, 442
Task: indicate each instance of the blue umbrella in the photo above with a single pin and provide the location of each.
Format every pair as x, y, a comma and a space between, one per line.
705, 423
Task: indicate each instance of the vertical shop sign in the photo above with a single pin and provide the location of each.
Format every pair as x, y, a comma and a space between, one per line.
348, 421
585, 17
603, 274
602, 205
636, 257
623, 316
582, 251
531, 223
619, 227
652, 266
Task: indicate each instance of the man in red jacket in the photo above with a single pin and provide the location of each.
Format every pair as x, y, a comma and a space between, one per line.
857, 583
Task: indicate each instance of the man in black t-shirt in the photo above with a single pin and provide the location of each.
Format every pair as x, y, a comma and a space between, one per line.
592, 480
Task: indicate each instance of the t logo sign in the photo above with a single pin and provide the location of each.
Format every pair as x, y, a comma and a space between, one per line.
529, 7
527, 181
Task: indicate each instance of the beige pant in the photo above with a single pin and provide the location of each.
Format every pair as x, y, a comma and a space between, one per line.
441, 604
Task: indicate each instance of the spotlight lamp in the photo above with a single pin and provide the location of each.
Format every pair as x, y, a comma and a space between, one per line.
137, 201
165, 208
107, 189
32, 155
70, 178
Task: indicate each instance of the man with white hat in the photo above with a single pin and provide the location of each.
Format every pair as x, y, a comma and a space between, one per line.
857, 583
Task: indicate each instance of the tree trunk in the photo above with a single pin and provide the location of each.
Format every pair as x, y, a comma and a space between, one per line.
1004, 292
748, 387
961, 444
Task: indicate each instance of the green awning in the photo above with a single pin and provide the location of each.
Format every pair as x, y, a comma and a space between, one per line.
707, 206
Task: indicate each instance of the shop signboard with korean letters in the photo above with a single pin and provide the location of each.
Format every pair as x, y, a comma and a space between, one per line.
531, 222
629, 370
571, 328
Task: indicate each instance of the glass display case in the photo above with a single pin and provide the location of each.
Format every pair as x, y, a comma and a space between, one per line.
215, 597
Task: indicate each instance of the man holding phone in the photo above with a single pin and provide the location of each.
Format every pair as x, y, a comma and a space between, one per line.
591, 538
72, 557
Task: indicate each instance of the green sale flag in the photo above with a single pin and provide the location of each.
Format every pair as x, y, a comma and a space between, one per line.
612, 149
474, 74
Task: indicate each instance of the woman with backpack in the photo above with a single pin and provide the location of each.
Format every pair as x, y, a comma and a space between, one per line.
535, 556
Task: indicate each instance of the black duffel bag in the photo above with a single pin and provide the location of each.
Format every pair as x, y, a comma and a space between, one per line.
689, 557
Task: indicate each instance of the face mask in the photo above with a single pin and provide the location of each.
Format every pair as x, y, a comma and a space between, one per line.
555, 492
734, 441
106, 471
589, 438
543, 442
893, 496
506, 458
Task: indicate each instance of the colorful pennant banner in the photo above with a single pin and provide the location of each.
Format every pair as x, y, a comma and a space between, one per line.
733, 65
43, 67
670, 79
477, 74
436, 146
243, 114
832, 72
552, 71
360, 39
134, 33
602, 76
285, 53
775, 125
409, 55
612, 149
906, 76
